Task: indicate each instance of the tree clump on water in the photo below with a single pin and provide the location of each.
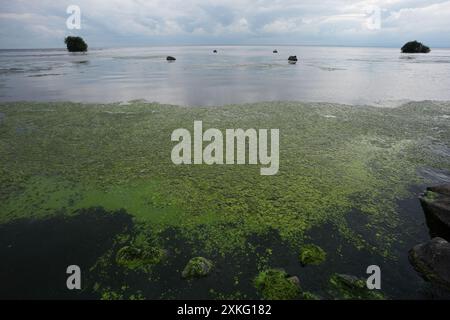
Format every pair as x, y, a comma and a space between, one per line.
415, 47
75, 44
312, 254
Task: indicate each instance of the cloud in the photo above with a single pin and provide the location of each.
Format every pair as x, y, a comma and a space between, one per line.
138, 22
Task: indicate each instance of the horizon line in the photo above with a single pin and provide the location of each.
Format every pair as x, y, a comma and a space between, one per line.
219, 45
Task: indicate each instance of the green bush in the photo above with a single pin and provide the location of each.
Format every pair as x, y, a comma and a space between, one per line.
75, 44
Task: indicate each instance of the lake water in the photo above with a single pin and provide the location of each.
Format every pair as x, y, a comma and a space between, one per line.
236, 74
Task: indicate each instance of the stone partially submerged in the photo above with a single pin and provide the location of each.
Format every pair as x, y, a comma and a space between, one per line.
276, 284
436, 205
348, 287
197, 267
432, 261
292, 59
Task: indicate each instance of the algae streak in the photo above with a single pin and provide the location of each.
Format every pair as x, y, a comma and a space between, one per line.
333, 159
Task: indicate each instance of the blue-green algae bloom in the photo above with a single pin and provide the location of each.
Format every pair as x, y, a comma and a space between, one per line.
312, 254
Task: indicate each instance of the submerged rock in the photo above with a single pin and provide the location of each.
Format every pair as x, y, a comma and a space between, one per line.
312, 254
432, 261
197, 267
170, 58
436, 205
348, 287
415, 47
276, 284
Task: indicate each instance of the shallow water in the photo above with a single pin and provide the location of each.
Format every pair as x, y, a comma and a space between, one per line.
236, 74
349, 182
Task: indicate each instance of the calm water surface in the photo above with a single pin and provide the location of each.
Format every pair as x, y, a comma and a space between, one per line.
236, 74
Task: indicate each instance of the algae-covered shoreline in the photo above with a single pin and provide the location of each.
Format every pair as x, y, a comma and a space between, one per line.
347, 182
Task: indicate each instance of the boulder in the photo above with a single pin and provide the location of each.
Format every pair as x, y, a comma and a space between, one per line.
170, 58
436, 205
415, 47
197, 267
432, 261
215, 51
275, 51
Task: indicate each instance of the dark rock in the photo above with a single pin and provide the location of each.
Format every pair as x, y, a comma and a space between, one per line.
432, 261
436, 205
170, 58
275, 51
442, 189
415, 47
292, 59
75, 44
215, 51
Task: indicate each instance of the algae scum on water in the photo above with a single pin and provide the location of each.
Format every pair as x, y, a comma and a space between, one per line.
335, 203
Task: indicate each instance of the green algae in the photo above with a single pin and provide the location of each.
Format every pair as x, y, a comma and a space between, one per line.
309, 296
312, 254
430, 196
60, 157
134, 257
274, 284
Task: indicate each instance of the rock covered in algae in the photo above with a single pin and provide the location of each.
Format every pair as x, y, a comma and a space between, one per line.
276, 284
133, 257
312, 254
197, 267
432, 261
348, 287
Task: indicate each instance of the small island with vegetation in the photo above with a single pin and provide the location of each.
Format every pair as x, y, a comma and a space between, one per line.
415, 47
75, 44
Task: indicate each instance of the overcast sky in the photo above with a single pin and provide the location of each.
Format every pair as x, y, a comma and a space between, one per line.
107, 23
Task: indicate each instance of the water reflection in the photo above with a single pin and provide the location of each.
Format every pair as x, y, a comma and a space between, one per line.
233, 75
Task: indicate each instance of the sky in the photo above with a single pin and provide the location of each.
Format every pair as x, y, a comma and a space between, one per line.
118, 23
